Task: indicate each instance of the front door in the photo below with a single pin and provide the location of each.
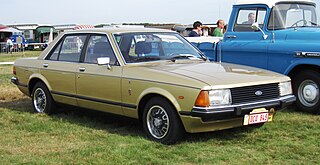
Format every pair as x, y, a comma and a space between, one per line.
98, 86
243, 45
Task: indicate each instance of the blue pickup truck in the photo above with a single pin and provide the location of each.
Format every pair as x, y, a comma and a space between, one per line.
283, 36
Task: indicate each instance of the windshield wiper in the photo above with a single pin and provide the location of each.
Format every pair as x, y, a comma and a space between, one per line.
314, 24
175, 57
145, 58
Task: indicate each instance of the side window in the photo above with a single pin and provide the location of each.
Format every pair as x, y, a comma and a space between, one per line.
71, 48
55, 53
247, 16
99, 46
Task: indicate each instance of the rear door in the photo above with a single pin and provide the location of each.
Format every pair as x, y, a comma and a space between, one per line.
60, 66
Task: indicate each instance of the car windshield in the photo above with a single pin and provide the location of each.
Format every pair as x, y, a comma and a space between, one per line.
144, 47
291, 15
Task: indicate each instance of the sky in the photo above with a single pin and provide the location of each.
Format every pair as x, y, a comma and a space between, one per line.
93, 12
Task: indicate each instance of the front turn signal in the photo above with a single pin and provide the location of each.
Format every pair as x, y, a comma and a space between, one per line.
203, 99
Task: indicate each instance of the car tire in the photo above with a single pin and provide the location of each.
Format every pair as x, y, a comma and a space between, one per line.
306, 88
42, 101
161, 121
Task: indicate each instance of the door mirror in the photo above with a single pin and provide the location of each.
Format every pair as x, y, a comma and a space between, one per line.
104, 61
255, 26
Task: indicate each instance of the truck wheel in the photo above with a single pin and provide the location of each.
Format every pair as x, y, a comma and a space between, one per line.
161, 121
306, 88
42, 100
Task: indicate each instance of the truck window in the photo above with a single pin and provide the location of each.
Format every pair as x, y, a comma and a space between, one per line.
292, 15
247, 16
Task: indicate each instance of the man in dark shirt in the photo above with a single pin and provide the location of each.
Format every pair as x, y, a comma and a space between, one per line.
196, 31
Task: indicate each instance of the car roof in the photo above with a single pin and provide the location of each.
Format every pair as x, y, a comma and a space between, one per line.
271, 3
119, 30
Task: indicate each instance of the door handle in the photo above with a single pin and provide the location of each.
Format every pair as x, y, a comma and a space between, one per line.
82, 69
231, 36
45, 65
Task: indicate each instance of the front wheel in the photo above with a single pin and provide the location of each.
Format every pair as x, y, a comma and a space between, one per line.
161, 121
42, 100
306, 88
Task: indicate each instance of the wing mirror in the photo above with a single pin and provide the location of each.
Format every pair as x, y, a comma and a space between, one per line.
104, 61
255, 26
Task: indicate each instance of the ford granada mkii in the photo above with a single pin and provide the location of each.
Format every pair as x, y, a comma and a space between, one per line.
152, 75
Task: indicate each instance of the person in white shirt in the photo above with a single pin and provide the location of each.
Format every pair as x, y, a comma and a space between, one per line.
9, 45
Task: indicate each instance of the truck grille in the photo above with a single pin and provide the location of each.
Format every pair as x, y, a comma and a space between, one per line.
254, 93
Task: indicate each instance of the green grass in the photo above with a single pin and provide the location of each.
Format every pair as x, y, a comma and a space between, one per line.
76, 136
15, 55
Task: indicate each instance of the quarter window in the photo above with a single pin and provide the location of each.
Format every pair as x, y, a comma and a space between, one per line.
55, 54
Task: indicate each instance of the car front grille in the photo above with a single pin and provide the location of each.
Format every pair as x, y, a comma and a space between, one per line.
254, 93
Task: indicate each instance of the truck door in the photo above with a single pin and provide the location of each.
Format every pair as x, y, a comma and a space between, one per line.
243, 45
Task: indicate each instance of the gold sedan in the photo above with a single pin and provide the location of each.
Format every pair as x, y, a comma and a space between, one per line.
153, 75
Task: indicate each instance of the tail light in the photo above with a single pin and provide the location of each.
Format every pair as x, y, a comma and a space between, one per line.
14, 70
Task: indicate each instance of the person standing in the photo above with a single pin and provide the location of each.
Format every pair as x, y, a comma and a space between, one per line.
196, 31
219, 30
9, 45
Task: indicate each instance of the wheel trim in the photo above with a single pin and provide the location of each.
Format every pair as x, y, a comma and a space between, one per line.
308, 93
39, 100
157, 122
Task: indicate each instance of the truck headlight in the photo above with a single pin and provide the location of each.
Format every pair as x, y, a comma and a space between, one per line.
285, 88
213, 98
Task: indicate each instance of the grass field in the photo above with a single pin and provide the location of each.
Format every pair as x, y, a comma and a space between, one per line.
15, 55
76, 136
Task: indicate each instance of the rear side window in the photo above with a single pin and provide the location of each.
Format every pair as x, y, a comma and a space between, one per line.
69, 49
247, 16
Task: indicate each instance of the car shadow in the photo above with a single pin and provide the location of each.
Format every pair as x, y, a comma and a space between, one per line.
120, 125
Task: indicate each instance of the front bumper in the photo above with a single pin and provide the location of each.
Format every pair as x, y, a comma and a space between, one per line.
238, 110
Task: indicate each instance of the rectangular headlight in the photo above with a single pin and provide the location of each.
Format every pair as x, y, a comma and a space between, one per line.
285, 88
220, 97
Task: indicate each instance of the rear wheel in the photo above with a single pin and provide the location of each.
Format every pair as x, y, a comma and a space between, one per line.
161, 121
306, 88
42, 100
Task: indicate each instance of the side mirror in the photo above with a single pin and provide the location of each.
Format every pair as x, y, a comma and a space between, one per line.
255, 26
104, 61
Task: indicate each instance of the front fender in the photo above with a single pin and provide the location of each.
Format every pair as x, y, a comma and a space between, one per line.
162, 92
301, 61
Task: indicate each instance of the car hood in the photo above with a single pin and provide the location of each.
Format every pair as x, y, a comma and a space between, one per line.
304, 33
221, 75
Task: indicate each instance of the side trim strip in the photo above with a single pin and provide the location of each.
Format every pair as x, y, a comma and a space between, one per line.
96, 100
